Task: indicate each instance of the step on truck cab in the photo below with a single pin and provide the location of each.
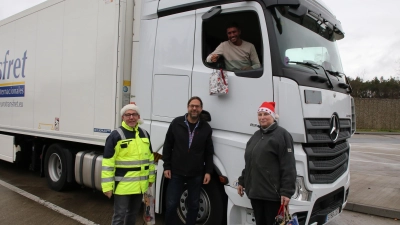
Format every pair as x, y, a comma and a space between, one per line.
71, 65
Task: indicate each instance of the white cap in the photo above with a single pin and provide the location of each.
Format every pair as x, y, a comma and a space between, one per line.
132, 107
128, 107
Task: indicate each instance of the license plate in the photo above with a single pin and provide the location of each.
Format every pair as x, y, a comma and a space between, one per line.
332, 214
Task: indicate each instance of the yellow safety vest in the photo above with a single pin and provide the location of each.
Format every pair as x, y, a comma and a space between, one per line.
131, 168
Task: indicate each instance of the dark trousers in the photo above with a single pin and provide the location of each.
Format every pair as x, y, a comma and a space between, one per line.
174, 192
265, 211
126, 207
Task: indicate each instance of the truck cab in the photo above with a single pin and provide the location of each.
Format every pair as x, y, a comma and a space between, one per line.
70, 66
301, 71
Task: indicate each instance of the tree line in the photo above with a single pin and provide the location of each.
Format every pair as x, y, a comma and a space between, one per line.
375, 88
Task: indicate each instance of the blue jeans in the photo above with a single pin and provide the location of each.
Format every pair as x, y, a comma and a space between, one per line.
126, 207
174, 192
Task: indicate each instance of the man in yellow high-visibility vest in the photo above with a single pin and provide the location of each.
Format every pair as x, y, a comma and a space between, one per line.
128, 166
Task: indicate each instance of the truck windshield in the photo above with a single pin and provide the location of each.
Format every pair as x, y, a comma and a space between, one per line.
306, 39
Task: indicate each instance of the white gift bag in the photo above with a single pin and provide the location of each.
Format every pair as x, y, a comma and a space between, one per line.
219, 82
149, 200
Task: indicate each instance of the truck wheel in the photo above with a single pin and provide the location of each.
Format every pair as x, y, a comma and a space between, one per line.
211, 206
55, 168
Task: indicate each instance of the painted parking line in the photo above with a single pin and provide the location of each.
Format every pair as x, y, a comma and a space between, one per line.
375, 153
49, 205
369, 144
377, 147
395, 164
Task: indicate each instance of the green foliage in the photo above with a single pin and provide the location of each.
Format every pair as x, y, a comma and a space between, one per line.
376, 88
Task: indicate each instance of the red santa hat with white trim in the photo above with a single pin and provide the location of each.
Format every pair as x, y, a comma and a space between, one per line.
268, 107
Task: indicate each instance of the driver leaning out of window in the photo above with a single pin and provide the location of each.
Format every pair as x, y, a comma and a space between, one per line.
238, 54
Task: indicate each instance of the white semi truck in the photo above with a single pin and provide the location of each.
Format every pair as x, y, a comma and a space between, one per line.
68, 66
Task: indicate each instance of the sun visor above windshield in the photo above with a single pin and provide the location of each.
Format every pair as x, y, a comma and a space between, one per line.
315, 8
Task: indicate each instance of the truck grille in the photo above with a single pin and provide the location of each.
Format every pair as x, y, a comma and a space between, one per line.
318, 130
327, 160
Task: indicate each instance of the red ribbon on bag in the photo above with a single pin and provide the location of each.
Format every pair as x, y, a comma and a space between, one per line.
222, 75
280, 217
281, 209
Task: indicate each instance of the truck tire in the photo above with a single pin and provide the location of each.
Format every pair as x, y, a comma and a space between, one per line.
55, 167
211, 210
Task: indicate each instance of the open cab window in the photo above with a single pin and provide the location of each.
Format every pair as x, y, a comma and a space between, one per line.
244, 60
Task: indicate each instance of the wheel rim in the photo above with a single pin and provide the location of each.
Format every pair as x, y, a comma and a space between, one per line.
55, 167
204, 207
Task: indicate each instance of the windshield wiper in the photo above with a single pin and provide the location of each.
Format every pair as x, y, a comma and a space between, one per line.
335, 73
348, 82
342, 85
315, 66
305, 64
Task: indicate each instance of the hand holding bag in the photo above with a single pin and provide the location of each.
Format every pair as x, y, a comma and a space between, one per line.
280, 217
219, 82
284, 218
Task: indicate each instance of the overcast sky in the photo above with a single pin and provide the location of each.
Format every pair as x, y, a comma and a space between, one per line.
371, 46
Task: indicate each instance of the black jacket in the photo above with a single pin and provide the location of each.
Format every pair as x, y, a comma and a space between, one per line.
182, 160
270, 170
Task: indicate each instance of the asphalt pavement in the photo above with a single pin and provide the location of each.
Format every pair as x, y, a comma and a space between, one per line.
374, 174
374, 189
28, 211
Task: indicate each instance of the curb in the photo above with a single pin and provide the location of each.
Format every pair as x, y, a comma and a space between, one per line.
378, 133
372, 210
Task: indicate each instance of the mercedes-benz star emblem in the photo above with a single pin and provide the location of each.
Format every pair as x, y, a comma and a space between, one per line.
335, 127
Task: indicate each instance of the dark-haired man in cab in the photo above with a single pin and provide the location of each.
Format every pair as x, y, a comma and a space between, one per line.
238, 54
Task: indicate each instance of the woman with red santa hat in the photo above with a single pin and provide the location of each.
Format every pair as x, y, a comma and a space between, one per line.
269, 175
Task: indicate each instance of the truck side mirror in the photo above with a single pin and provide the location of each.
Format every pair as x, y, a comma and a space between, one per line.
216, 10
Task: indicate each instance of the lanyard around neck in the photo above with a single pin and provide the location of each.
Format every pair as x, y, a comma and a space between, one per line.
191, 134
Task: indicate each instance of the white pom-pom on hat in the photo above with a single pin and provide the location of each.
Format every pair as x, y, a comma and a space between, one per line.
268, 107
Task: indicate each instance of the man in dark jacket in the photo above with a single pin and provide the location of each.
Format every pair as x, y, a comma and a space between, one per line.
269, 176
188, 158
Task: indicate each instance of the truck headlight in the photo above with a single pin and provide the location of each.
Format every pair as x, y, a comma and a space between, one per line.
301, 193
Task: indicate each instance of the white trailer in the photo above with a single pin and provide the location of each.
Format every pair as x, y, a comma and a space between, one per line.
70, 65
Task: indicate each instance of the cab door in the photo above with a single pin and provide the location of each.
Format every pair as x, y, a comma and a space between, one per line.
173, 63
247, 89
172, 72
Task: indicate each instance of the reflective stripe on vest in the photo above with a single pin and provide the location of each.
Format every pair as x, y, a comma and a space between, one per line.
105, 180
131, 163
107, 168
131, 178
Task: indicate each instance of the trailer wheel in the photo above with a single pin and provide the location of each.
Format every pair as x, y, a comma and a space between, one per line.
211, 206
55, 168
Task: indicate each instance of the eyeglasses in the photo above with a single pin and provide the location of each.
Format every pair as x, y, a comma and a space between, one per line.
195, 106
132, 114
